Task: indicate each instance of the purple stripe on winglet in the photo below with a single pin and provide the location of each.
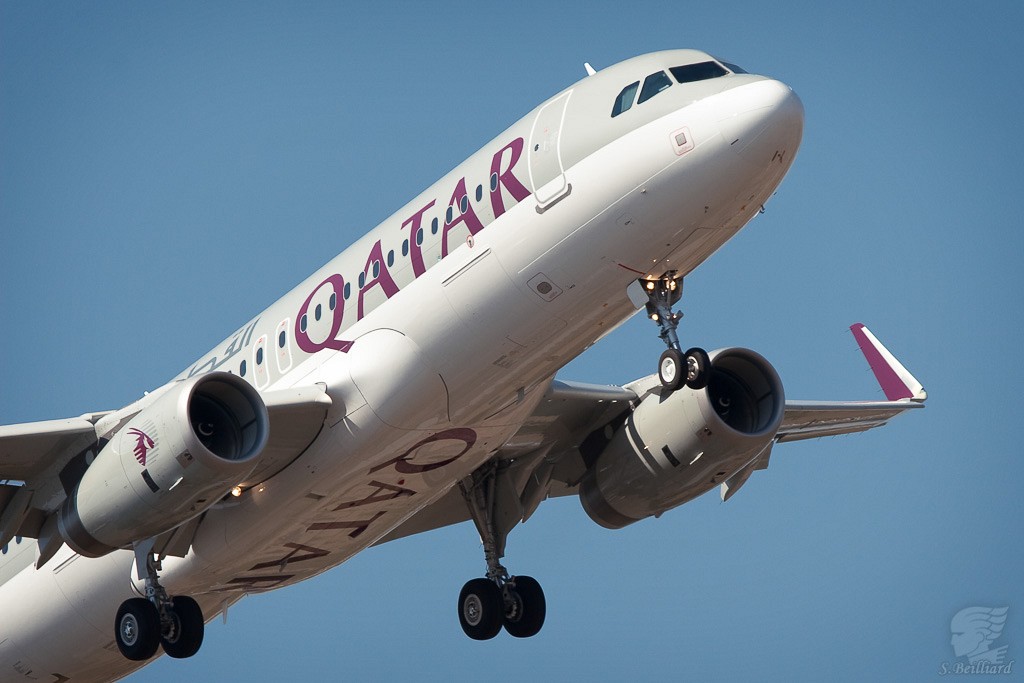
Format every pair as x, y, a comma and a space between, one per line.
892, 385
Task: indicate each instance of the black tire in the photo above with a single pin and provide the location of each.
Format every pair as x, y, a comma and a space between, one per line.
698, 368
671, 369
481, 609
137, 629
526, 617
187, 629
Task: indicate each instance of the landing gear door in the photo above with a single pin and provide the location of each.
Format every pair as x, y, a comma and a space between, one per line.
547, 174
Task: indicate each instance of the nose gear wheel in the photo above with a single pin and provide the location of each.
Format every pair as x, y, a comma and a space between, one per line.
675, 368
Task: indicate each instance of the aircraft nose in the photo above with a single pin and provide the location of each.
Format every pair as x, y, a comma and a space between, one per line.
762, 118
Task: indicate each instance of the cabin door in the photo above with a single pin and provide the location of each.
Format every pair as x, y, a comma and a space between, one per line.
547, 172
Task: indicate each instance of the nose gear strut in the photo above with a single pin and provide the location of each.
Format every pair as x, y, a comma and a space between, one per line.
675, 368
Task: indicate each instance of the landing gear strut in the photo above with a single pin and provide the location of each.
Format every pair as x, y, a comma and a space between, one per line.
675, 368
487, 604
144, 624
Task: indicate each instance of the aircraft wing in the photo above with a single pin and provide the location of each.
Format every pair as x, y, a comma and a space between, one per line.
813, 419
544, 459
28, 449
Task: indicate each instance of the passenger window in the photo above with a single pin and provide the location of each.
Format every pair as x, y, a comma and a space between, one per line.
623, 102
701, 71
653, 85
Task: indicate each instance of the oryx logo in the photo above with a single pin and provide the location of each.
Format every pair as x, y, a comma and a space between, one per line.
142, 444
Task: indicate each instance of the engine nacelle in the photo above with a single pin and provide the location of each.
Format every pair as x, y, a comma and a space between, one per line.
169, 463
673, 448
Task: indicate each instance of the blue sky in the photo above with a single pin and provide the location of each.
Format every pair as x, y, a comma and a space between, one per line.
168, 170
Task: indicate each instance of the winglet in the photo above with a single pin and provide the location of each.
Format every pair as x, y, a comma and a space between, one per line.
896, 380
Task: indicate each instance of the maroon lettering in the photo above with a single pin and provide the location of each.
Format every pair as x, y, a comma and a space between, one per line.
403, 465
415, 223
506, 178
377, 496
376, 270
311, 553
257, 582
357, 527
468, 217
337, 285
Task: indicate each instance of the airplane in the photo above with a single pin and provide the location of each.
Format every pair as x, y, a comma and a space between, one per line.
409, 384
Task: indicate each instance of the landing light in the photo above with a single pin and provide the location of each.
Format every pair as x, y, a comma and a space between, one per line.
237, 491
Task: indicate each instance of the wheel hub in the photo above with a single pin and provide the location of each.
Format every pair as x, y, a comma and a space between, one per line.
668, 369
513, 605
129, 629
172, 627
472, 609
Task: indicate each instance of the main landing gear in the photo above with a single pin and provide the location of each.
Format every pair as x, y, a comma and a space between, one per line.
675, 368
487, 604
143, 624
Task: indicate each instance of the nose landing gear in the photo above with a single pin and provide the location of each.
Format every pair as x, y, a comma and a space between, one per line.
675, 368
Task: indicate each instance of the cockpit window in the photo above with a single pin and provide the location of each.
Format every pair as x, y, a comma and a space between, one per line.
653, 85
735, 69
701, 71
625, 99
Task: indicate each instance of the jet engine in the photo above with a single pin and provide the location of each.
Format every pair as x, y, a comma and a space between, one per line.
675, 446
169, 463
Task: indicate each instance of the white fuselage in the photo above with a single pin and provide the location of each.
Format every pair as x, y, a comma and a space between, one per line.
435, 347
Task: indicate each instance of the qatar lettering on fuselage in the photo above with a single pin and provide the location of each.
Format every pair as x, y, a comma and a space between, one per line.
504, 190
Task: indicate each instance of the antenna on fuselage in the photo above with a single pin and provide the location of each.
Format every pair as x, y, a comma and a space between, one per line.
590, 70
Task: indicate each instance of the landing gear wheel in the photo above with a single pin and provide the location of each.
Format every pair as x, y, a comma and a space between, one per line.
525, 615
698, 368
137, 629
481, 609
671, 369
185, 634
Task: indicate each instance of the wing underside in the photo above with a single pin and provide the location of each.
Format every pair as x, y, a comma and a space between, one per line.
543, 459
